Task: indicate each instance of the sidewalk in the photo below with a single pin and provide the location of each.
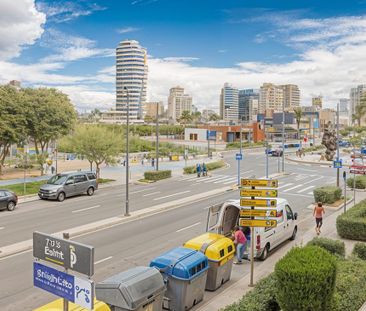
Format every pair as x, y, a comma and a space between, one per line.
238, 289
314, 158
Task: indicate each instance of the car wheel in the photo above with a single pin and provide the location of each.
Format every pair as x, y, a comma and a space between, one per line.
61, 197
265, 253
293, 236
11, 206
90, 191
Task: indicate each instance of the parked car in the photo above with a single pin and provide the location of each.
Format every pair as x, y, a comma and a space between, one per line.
224, 217
8, 200
277, 152
65, 185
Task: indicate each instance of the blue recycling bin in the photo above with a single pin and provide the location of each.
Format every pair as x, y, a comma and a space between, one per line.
185, 272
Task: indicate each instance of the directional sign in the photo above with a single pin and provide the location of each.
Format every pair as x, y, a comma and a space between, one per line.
258, 193
72, 288
337, 163
68, 254
258, 213
270, 183
258, 202
257, 223
239, 156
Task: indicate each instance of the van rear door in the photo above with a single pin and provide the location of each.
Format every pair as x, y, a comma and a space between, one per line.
213, 216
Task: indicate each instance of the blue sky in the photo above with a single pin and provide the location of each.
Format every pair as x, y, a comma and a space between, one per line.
200, 45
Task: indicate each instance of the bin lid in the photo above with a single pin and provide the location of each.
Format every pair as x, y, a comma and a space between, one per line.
132, 288
181, 263
58, 305
215, 246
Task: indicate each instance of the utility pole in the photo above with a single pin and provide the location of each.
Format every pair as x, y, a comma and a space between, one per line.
267, 150
241, 150
338, 143
127, 209
157, 136
283, 136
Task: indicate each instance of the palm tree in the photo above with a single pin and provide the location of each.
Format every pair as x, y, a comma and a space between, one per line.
185, 118
214, 117
360, 110
298, 116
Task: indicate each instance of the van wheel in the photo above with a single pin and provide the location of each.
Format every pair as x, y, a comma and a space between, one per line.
90, 191
293, 236
265, 253
61, 197
11, 206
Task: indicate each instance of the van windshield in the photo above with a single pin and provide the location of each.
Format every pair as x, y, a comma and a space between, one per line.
57, 180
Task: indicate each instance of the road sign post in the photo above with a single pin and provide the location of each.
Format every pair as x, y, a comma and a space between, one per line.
258, 222
266, 193
345, 190
239, 157
258, 202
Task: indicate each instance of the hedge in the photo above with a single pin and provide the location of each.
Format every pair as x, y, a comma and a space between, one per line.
327, 194
306, 279
335, 247
359, 250
352, 224
261, 298
157, 175
360, 182
210, 166
350, 293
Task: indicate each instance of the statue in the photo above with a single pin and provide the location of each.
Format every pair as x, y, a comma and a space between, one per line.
329, 141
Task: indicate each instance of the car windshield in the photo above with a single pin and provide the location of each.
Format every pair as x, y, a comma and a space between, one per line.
57, 180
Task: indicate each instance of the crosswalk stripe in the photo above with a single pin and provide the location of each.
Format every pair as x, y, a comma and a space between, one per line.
293, 188
224, 180
310, 192
285, 185
301, 177
307, 188
216, 178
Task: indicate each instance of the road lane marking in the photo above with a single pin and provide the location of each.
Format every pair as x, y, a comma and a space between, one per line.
225, 180
212, 179
142, 190
285, 185
307, 188
152, 193
172, 195
293, 188
231, 181
103, 260
301, 195
1, 228
188, 178
308, 182
188, 227
85, 209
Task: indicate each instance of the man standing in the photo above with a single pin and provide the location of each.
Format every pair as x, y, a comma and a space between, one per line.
240, 241
318, 212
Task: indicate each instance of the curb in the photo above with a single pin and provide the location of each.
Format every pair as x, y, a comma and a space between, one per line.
27, 245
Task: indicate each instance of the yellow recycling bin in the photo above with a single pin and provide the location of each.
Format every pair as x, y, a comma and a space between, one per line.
220, 253
57, 305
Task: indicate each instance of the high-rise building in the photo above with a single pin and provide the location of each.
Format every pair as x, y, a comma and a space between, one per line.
153, 108
291, 96
178, 102
343, 105
248, 104
271, 97
131, 73
229, 103
355, 98
317, 102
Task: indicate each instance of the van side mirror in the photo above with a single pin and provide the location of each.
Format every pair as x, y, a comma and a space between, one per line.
295, 216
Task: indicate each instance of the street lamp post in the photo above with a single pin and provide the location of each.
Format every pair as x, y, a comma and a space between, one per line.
338, 144
283, 136
157, 136
127, 209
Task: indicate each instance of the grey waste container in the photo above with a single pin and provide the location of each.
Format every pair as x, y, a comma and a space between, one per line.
185, 272
140, 288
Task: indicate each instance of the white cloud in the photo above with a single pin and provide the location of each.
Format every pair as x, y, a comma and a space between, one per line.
127, 30
20, 25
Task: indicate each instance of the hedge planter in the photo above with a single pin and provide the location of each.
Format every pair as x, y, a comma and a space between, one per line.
327, 194
352, 224
359, 250
335, 247
306, 279
360, 182
210, 166
157, 175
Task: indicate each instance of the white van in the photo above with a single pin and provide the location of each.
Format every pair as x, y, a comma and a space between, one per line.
224, 217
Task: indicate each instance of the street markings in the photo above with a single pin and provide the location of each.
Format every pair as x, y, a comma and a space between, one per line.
152, 193
103, 260
172, 195
285, 185
307, 188
298, 186
133, 192
85, 209
188, 227
1, 228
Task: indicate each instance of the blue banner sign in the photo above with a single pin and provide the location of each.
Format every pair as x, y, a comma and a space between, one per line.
337, 163
239, 156
211, 135
74, 289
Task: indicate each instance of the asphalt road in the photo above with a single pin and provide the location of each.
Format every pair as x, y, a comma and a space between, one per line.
137, 242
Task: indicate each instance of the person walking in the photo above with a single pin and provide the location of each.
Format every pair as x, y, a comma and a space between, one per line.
240, 241
318, 213
152, 162
204, 169
198, 169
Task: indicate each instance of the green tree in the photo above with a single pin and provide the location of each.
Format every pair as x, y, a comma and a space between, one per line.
97, 143
12, 121
50, 115
94, 115
360, 111
298, 116
186, 117
196, 116
214, 117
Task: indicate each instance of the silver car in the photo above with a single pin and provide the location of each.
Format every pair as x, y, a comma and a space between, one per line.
66, 185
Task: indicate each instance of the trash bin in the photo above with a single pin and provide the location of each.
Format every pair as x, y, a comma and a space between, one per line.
220, 253
58, 305
185, 273
140, 288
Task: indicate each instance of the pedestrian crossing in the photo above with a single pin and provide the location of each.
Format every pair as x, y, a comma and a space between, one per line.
299, 184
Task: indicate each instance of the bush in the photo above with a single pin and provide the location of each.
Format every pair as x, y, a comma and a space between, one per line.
261, 298
210, 166
157, 175
360, 182
359, 250
306, 279
350, 293
335, 247
352, 224
327, 194
236, 145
